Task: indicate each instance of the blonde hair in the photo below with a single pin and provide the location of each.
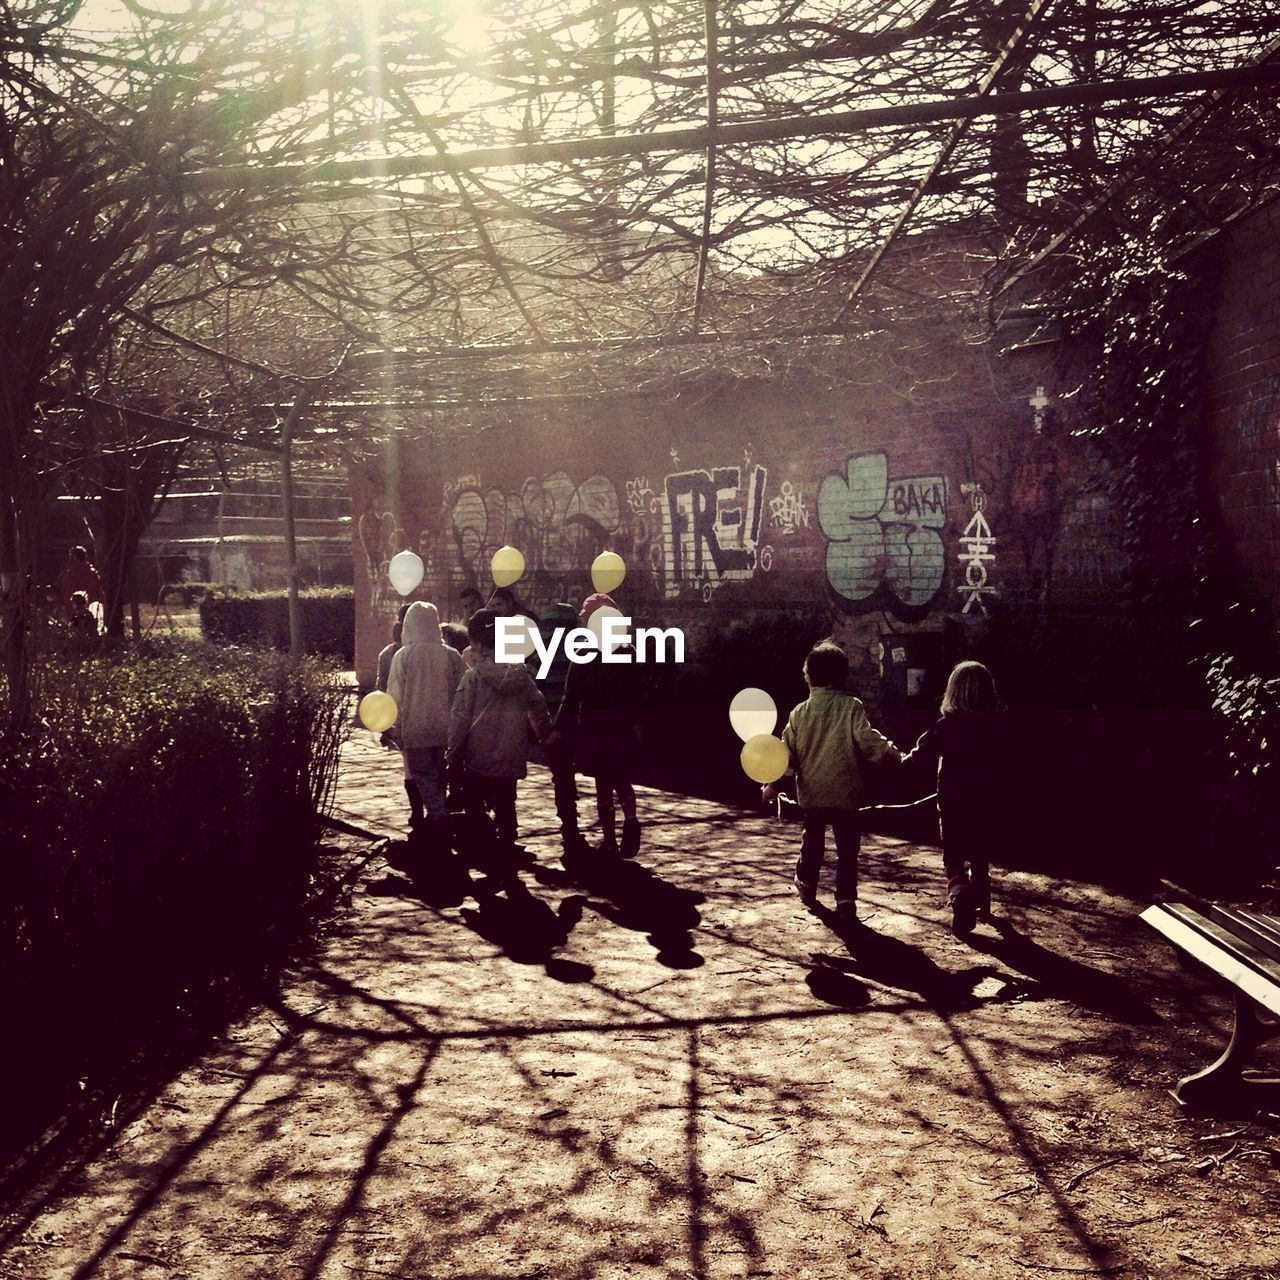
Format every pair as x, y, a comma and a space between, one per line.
970, 687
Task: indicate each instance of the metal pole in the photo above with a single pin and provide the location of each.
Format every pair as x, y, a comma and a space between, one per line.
290, 541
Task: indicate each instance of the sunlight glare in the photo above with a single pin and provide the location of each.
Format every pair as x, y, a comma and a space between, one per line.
470, 26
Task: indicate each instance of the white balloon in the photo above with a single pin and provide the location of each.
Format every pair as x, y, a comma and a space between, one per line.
520, 640
752, 712
405, 571
595, 624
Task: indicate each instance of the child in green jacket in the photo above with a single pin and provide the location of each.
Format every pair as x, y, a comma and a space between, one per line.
824, 735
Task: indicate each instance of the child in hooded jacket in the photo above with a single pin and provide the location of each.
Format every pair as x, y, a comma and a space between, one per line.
422, 681
497, 710
963, 749
390, 738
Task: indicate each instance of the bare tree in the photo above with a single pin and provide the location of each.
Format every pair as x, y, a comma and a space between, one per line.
458, 197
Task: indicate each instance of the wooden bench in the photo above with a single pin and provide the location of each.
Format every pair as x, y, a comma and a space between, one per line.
1244, 948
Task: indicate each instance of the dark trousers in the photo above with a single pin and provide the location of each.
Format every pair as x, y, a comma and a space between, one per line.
955, 860
498, 795
564, 783
847, 830
606, 786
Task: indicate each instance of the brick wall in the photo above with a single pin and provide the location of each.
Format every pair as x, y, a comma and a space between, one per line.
889, 515
1244, 387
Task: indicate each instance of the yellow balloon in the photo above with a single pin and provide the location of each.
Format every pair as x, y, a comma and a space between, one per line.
765, 758
378, 711
607, 572
506, 566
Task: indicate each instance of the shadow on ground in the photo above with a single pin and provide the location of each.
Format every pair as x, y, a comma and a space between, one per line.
671, 1068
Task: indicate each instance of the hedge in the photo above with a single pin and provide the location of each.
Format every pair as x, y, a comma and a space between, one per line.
159, 827
260, 620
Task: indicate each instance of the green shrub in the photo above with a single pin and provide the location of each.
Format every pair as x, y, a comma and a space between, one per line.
689, 744
186, 595
260, 619
159, 823
1246, 814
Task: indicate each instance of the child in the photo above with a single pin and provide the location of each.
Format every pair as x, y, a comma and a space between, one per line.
455, 636
599, 716
560, 750
83, 624
824, 735
391, 738
497, 707
385, 656
963, 746
423, 679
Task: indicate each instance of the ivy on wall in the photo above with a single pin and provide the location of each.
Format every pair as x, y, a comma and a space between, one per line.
1137, 320
1137, 324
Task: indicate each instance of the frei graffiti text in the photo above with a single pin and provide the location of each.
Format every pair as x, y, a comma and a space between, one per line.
712, 530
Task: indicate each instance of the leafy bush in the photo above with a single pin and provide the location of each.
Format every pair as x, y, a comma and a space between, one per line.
187, 595
1246, 815
158, 822
260, 619
689, 743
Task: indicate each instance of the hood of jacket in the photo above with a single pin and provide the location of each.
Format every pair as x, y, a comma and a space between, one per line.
421, 624
505, 678
557, 615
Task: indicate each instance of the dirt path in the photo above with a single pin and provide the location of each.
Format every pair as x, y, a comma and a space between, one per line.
687, 1088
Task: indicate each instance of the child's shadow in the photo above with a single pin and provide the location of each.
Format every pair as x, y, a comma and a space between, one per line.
890, 962
439, 881
1067, 979
526, 928
636, 898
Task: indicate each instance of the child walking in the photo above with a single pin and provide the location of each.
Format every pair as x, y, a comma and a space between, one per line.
391, 737
963, 747
598, 717
825, 735
497, 709
422, 679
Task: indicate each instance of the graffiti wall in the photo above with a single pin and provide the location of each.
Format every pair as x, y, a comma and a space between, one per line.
884, 536
880, 527
690, 533
559, 524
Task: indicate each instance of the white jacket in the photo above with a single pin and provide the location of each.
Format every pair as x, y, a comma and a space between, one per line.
424, 677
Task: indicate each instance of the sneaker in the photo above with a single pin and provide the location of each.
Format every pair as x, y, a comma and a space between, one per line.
630, 838
808, 892
964, 912
847, 912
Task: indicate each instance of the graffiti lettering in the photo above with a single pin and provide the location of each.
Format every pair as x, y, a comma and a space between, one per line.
882, 537
787, 510
641, 498
712, 527
559, 526
913, 498
976, 555
381, 538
